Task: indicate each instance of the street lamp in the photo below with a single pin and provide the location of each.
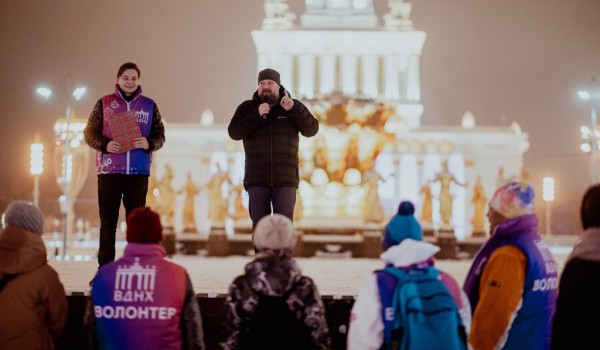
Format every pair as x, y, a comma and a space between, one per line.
36, 168
591, 134
64, 201
548, 195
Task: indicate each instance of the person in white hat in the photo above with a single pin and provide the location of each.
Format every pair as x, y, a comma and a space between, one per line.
33, 303
272, 305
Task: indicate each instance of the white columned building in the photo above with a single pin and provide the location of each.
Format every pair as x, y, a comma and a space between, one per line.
341, 51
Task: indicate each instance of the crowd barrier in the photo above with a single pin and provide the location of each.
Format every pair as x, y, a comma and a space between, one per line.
337, 309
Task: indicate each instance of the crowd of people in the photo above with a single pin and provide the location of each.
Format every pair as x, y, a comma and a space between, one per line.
511, 298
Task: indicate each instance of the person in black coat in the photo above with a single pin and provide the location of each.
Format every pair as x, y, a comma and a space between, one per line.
269, 125
579, 289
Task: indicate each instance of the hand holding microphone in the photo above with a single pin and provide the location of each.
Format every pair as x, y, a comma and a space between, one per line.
263, 110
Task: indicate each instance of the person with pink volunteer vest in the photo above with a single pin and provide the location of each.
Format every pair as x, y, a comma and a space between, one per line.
123, 170
142, 301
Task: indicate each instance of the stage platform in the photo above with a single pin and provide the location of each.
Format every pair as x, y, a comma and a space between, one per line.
337, 278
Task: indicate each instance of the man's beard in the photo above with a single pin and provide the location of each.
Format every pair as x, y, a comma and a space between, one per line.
269, 98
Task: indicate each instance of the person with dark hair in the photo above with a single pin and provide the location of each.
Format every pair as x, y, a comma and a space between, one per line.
579, 288
269, 125
143, 301
513, 279
33, 304
123, 167
371, 325
272, 305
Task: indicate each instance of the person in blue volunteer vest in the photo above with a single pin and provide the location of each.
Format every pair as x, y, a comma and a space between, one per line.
143, 301
404, 250
122, 175
512, 282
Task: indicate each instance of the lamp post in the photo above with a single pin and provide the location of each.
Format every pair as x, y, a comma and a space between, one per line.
36, 168
591, 134
63, 180
548, 195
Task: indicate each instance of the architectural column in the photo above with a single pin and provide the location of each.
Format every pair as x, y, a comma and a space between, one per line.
409, 184
286, 70
306, 76
413, 87
349, 72
327, 74
370, 76
391, 83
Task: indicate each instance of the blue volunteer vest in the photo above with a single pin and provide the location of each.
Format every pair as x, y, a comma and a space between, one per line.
532, 325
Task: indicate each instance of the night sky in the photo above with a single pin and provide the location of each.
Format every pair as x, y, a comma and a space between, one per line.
504, 61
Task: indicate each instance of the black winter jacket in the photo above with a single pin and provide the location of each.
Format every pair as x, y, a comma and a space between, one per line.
271, 144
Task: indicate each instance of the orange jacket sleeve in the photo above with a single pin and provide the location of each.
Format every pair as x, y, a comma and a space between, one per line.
500, 298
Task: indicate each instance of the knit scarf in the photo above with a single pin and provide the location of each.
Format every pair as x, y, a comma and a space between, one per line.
588, 247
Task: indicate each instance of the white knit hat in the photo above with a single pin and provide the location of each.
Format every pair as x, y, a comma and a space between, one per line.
26, 216
274, 232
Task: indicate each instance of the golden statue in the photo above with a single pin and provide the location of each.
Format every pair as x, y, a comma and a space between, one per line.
427, 211
372, 211
166, 198
239, 211
445, 178
190, 190
150, 197
298, 208
217, 204
320, 156
351, 160
479, 203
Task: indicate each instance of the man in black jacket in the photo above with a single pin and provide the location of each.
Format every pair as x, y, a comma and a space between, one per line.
269, 125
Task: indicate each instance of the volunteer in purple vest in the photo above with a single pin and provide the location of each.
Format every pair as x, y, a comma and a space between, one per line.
143, 301
122, 174
512, 282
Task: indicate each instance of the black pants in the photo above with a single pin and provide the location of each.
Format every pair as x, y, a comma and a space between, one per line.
112, 188
260, 199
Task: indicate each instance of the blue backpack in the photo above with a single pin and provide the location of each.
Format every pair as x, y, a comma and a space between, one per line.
418, 311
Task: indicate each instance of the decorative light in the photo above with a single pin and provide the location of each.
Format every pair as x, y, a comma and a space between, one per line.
468, 120
548, 189
207, 118
44, 92
548, 195
79, 92
37, 159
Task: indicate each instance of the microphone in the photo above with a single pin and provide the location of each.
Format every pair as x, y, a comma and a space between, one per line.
264, 116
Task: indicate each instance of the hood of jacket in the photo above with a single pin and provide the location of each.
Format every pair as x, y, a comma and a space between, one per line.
409, 252
272, 274
21, 251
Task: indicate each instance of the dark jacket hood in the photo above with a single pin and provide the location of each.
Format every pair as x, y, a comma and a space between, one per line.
21, 251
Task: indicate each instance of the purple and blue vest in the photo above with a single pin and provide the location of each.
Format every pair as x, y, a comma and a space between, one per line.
138, 300
531, 328
135, 161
